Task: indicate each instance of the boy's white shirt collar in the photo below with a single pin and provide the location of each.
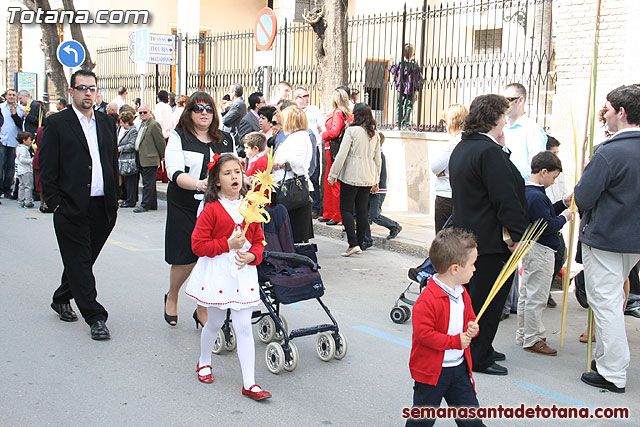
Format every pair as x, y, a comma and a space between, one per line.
456, 292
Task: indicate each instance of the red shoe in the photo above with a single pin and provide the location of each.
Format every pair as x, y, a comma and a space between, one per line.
256, 395
204, 378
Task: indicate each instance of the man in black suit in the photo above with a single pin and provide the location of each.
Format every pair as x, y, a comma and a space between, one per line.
231, 120
79, 176
33, 117
488, 194
250, 122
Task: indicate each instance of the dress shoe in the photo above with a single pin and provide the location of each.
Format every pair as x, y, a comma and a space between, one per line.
494, 369
195, 317
541, 347
315, 215
99, 330
498, 357
168, 318
394, 232
332, 222
140, 209
366, 245
596, 380
351, 251
322, 219
504, 316
65, 312
204, 378
126, 205
256, 395
551, 303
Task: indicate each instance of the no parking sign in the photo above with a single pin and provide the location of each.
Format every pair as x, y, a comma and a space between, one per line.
265, 29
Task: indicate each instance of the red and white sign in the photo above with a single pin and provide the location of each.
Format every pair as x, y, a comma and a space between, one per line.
265, 29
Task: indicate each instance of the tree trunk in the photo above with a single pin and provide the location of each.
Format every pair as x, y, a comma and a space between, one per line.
49, 44
76, 34
329, 24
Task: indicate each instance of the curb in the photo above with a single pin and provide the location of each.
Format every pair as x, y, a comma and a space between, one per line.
337, 232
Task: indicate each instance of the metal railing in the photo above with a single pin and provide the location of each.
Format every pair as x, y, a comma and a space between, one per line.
461, 50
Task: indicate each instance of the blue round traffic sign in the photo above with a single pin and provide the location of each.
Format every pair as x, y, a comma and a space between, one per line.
70, 53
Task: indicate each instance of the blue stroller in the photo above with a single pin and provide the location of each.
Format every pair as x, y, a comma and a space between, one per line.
288, 274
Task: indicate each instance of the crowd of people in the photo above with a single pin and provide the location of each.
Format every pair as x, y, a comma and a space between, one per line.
495, 176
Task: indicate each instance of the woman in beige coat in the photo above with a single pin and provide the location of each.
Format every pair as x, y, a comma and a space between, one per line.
357, 167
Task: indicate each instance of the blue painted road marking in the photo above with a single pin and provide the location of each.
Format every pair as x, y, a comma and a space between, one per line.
383, 335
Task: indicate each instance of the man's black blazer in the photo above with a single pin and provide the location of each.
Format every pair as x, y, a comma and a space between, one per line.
65, 164
488, 193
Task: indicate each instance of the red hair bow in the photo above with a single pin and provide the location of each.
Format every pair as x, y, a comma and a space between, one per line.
213, 162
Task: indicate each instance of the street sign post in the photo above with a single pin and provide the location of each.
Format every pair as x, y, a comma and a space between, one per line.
266, 28
70, 53
158, 48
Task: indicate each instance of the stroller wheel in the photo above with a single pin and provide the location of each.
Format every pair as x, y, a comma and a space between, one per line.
325, 346
279, 335
231, 343
341, 349
274, 355
266, 329
218, 346
398, 315
292, 361
407, 311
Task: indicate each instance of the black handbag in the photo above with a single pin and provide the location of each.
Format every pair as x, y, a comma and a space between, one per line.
293, 193
127, 167
334, 144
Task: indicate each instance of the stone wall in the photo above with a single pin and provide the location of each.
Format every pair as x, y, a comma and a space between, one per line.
618, 62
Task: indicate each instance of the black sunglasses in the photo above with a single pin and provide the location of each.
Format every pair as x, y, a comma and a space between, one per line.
199, 108
83, 88
513, 98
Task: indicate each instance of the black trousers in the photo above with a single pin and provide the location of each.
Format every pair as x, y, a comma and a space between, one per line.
149, 194
130, 183
455, 386
487, 269
442, 211
351, 196
80, 241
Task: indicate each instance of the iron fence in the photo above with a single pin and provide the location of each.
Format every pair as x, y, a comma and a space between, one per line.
461, 50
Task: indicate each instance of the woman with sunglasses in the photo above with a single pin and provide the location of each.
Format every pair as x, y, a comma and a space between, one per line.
191, 145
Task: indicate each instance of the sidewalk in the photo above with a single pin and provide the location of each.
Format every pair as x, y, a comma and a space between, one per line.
415, 238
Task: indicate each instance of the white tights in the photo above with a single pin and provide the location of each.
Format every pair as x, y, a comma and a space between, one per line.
244, 336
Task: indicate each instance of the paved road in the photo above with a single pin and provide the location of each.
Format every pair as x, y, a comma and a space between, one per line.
54, 374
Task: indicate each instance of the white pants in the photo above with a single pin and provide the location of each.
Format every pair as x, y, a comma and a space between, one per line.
604, 274
535, 285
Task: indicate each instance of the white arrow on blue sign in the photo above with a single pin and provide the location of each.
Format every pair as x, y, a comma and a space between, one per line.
70, 53
142, 45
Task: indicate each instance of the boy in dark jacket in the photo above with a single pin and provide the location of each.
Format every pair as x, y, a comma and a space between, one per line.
538, 264
443, 326
376, 199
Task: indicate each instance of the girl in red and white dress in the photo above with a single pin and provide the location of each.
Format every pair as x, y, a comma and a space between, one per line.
225, 276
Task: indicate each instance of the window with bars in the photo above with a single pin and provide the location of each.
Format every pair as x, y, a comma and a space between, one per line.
487, 41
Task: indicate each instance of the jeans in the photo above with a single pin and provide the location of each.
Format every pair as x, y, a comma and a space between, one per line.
375, 215
7, 167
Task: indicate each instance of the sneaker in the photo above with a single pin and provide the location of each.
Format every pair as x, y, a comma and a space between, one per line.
28, 205
394, 232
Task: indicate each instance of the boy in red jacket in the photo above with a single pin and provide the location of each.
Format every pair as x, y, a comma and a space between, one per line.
440, 361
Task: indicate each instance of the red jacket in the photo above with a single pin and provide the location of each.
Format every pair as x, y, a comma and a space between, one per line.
334, 125
430, 320
214, 226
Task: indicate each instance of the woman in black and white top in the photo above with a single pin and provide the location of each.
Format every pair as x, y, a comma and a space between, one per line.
191, 146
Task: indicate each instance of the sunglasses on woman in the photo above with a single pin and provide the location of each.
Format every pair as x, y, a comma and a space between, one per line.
199, 108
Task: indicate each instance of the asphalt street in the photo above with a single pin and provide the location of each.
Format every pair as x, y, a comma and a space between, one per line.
54, 374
